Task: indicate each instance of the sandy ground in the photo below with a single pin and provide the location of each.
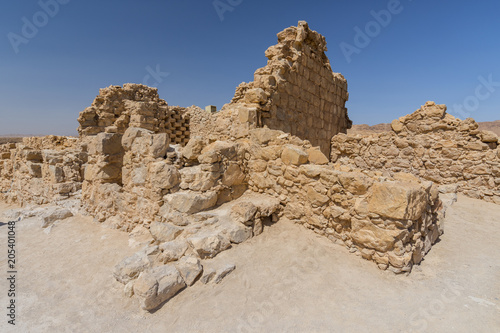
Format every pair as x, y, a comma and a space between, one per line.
287, 280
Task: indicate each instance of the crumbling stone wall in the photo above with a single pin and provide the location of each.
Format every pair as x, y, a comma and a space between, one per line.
297, 92
391, 220
433, 145
41, 169
117, 169
134, 105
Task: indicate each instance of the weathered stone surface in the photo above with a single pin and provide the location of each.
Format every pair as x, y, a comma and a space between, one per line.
191, 202
369, 235
223, 271
193, 149
208, 275
487, 136
233, 175
301, 95
208, 245
53, 214
238, 233
190, 269
164, 232
130, 268
264, 135
293, 155
397, 126
244, 213
173, 250
158, 285
164, 176
130, 135
316, 199
397, 200
214, 152
106, 143
316, 156
257, 95
354, 182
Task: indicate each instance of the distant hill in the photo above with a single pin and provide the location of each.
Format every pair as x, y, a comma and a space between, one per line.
493, 126
10, 139
364, 129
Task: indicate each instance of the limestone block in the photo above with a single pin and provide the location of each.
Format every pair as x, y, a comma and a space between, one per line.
397, 200
158, 285
130, 135
208, 244
355, 182
244, 213
397, 126
129, 268
159, 145
193, 148
191, 202
264, 135
164, 232
34, 156
189, 268
366, 234
163, 175
173, 250
53, 214
256, 95
487, 136
221, 148
294, 155
233, 175
106, 144
316, 156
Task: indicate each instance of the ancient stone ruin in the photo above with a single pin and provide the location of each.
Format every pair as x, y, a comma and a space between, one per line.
188, 184
433, 145
297, 92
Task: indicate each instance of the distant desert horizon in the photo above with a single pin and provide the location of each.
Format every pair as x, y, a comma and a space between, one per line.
364, 129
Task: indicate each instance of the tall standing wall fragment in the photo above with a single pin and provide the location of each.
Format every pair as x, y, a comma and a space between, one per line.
297, 92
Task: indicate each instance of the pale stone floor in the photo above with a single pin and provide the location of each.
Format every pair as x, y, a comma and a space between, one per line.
287, 280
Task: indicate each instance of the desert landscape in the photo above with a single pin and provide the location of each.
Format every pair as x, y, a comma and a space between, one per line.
492, 126
274, 214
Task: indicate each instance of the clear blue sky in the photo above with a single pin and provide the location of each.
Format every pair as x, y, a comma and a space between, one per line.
430, 50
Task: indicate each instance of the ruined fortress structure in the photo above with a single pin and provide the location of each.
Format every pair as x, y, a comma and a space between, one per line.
193, 184
297, 92
432, 145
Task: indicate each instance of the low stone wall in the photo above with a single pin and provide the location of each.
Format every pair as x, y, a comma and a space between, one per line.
390, 220
41, 169
433, 145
